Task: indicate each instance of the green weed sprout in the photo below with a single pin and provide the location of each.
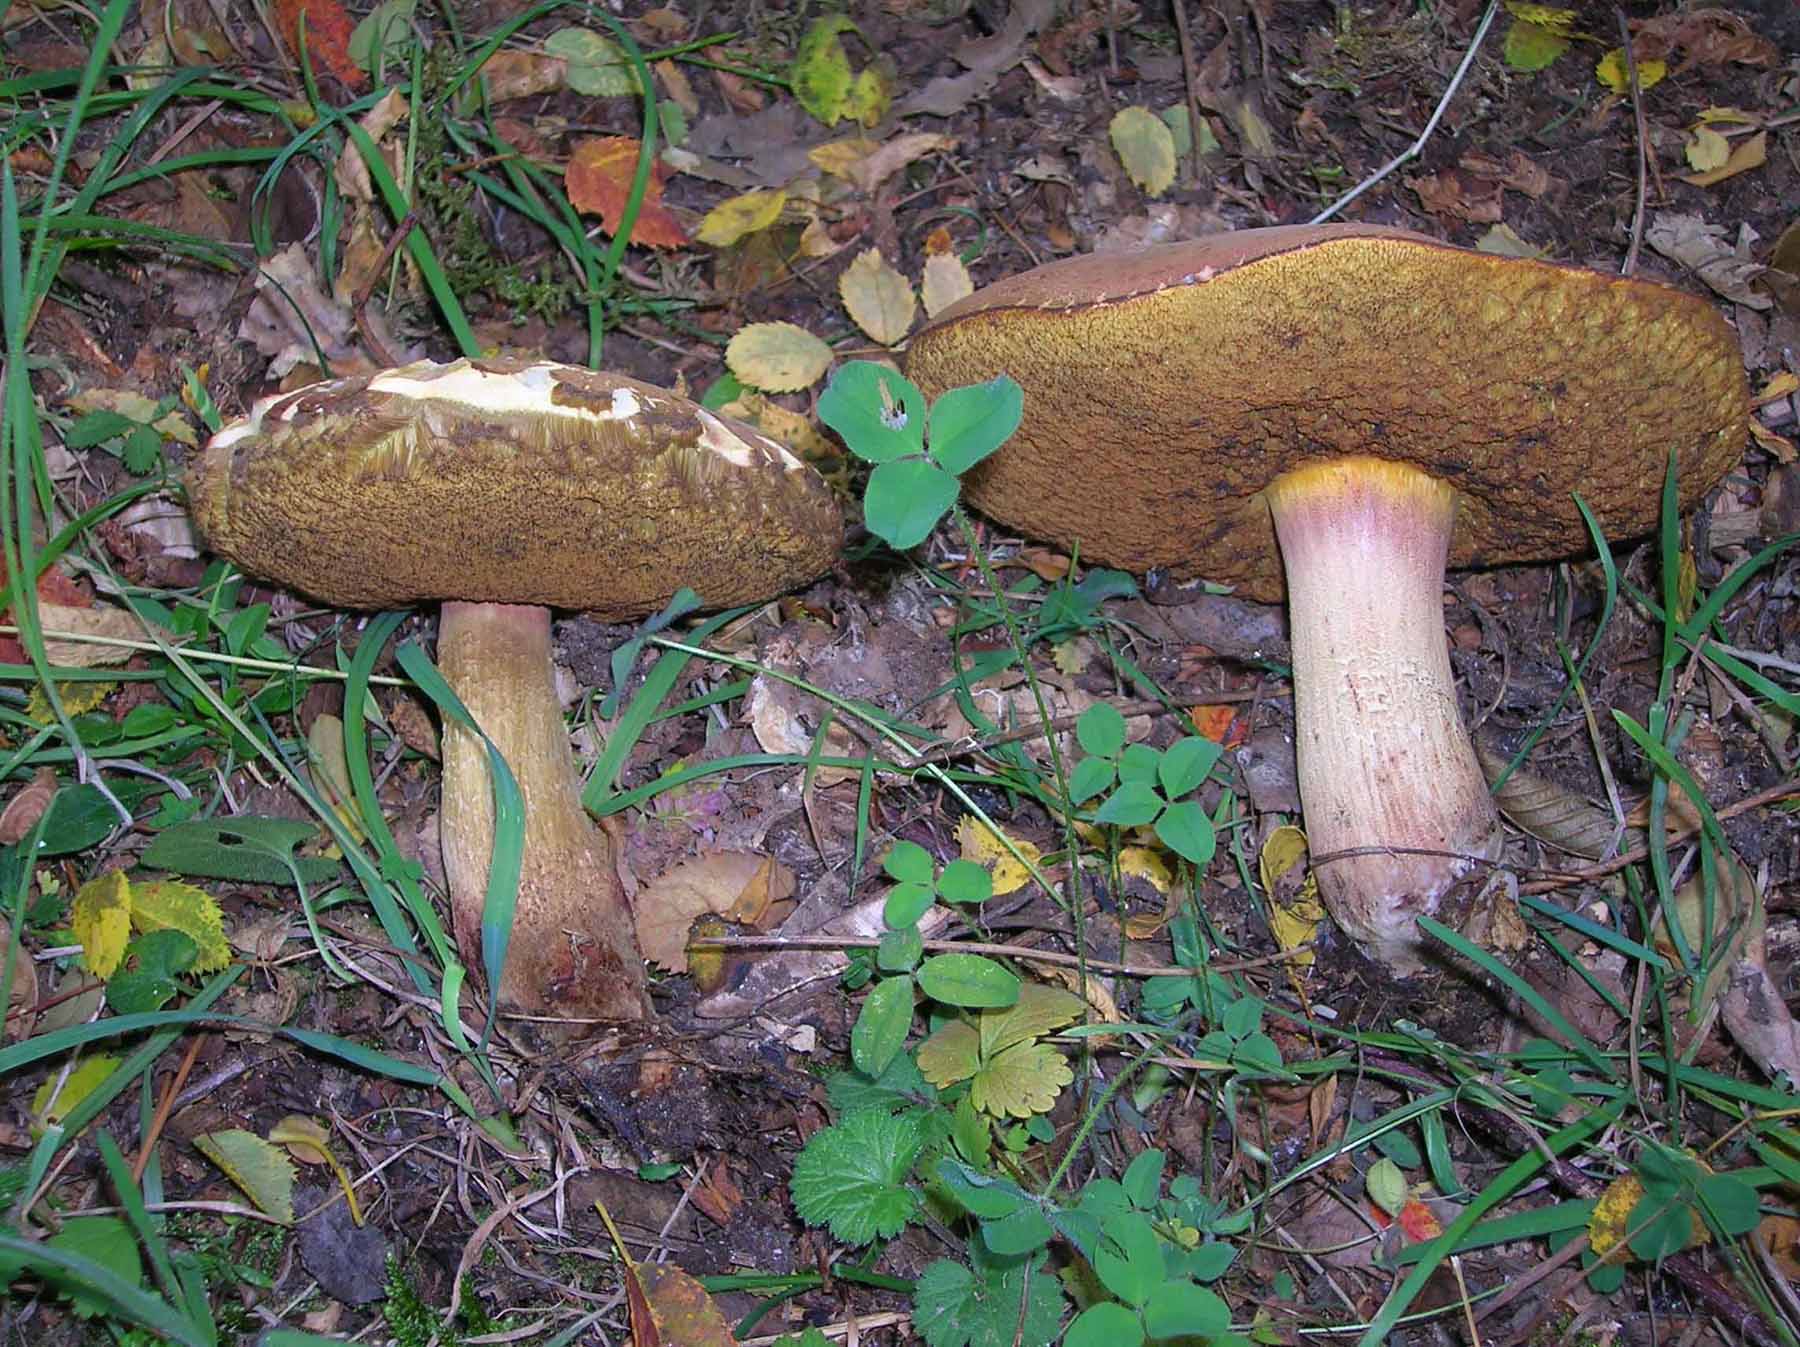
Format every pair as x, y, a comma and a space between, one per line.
918, 452
1143, 785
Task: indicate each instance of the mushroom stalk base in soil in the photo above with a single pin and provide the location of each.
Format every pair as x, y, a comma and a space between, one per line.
1384, 761
574, 947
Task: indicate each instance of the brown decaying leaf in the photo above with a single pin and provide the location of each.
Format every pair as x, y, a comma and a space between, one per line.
671, 1309
1549, 812
598, 180
328, 30
511, 74
740, 886
1459, 194
21, 1009
26, 807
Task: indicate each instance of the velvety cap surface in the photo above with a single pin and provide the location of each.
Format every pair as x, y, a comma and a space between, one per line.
510, 481
1166, 388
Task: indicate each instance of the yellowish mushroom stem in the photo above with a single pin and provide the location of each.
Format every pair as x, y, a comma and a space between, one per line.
574, 948
1384, 761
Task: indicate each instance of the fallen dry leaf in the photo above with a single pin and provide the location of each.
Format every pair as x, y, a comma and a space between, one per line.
26, 807
328, 30
739, 886
598, 179
877, 297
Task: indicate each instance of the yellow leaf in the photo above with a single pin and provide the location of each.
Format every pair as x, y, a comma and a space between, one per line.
869, 97
74, 1087
169, 905
1145, 864
840, 157
745, 213
1751, 152
877, 297
308, 1142
1038, 1011
77, 698
779, 423
1282, 850
101, 920
953, 1053
1706, 149
256, 1166
983, 846
1614, 71
944, 281
777, 357
1294, 925
1146, 147
1023, 1080
1544, 16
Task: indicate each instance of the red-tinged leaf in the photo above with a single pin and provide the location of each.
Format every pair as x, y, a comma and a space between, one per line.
598, 181
328, 30
1417, 1220
677, 1308
52, 587
1219, 723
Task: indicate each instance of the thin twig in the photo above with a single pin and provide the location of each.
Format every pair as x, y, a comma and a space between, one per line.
1412, 151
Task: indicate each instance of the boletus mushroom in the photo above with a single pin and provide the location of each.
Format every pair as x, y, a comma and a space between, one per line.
1347, 408
508, 488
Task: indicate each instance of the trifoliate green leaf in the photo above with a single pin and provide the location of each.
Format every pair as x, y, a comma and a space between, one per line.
851, 1176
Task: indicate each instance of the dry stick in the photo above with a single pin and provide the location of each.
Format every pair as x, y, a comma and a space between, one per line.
164, 1108
1412, 151
1191, 82
1773, 795
359, 309
1643, 149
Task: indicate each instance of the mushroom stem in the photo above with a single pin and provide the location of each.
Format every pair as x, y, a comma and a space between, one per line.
1384, 761
574, 946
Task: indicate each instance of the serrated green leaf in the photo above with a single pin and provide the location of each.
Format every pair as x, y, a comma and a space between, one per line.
141, 450
169, 905
899, 1085
851, 1176
148, 980
970, 980
260, 1168
107, 1241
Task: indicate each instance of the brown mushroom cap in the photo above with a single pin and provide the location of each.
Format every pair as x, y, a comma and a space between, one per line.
510, 481
1165, 389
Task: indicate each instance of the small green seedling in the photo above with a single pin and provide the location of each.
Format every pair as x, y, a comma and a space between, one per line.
918, 453
1143, 785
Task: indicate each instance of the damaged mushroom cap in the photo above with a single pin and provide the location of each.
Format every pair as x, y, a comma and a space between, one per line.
510, 481
1166, 388
506, 488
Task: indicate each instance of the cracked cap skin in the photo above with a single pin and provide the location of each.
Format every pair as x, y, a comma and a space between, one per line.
510, 481
1166, 388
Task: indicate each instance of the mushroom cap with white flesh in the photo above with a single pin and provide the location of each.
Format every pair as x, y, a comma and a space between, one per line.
1384, 403
507, 487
